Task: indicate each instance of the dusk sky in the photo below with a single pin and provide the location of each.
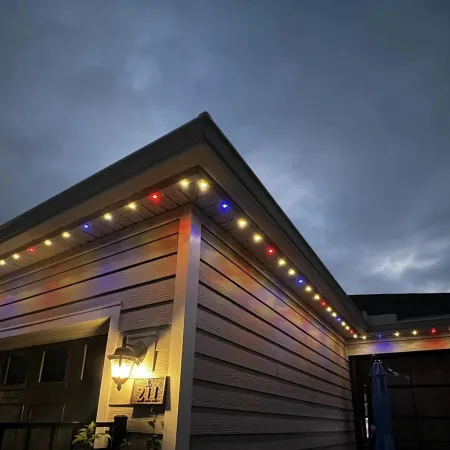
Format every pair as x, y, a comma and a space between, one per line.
342, 109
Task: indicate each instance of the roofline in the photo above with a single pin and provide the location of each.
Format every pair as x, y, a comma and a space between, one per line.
200, 131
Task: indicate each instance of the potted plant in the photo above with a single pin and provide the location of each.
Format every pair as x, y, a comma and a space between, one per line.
86, 437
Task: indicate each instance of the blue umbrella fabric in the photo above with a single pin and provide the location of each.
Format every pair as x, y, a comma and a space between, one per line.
381, 408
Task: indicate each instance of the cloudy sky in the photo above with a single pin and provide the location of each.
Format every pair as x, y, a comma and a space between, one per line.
340, 107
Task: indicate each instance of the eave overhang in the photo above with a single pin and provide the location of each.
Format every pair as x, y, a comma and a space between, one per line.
198, 145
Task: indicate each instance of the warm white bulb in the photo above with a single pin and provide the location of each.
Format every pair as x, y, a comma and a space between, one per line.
66, 234
16, 256
291, 272
281, 262
317, 297
334, 314
347, 328
308, 288
184, 183
364, 337
203, 185
329, 309
108, 216
414, 332
2, 262
343, 323
132, 206
48, 242
242, 223
257, 238
355, 336
396, 334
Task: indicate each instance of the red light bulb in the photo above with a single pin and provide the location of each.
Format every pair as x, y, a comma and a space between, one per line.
433, 331
351, 331
155, 197
323, 303
31, 250
270, 251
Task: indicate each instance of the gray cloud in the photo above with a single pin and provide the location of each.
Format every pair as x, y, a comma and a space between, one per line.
341, 108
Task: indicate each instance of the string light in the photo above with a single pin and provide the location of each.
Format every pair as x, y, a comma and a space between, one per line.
155, 197
323, 304
281, 262
433, 331
31, 250
308, 288
2, 262
364, 338
16, 256
270, 251
184, 183
224, 206
86, 226
300, 281
132, 206
334, 314
347, 328
242, 223
203, 185
257, 238
291, 272
66, 235
355, 336
396, 334
48, 242
108, 216
316, 297
343, 323
329, 309
414, 332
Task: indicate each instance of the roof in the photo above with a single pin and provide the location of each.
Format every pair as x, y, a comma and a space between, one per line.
200, 134
406, 306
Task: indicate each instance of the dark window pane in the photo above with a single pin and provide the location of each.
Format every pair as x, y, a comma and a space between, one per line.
16, 372
54, 365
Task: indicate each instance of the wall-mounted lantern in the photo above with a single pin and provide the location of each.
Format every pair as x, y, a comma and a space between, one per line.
123, 360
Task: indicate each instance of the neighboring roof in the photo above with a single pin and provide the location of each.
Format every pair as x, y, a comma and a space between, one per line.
200, 132
404, 305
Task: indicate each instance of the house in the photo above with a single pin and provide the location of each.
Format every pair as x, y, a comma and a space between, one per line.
180, 249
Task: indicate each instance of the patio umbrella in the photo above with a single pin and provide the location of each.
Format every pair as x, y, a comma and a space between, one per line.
381, 409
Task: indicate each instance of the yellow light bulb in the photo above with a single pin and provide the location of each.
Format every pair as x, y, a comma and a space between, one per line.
257, 238
334, 314
242, 223
281, 262
347, 328
364, 337
184, 183
308, 288
355, 336
329, 309
203, 185
132, 206
317, 297
396, 334
291, 272
2, 262
414, 332
48, 242
108, 216
343, 323
66, 234
16, 256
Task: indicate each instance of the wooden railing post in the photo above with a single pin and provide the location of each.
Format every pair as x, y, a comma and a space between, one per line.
119, 432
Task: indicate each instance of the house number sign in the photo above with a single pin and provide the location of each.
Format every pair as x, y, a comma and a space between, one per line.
148, 391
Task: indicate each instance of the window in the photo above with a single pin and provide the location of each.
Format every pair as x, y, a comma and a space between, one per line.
54, 365
16, 370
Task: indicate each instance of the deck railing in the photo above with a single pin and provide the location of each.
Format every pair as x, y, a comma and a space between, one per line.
117, 430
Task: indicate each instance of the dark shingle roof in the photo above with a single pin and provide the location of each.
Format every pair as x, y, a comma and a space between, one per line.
404, 305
